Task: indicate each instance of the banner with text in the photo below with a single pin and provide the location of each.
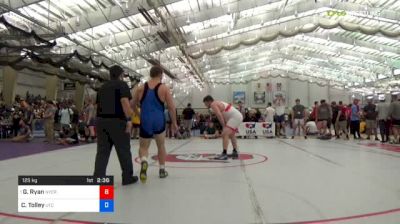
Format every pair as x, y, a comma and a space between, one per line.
265, 129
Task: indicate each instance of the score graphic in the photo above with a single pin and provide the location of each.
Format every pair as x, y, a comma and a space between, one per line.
65, 194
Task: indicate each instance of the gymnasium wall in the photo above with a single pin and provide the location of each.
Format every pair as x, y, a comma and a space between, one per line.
28, 81
306, 92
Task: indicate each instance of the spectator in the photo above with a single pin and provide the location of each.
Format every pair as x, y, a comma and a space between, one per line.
311, 128
24, 133
188, 113
322, 116
16, 118
168, 128
298, 118
68, 136
314, 111
211, 131
335, 113
280, 118
258, 115
355, 119
202, 124
241, 108
341, 121
135, 125
370, 116
90, 119
383, 119
394, 113
49, 121
269, 113
65, 116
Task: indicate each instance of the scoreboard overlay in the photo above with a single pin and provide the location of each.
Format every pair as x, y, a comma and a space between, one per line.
65, 194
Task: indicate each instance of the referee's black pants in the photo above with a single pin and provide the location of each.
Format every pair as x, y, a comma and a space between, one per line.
111, 132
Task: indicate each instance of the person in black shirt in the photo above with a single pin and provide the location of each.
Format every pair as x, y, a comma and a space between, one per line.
114, 125
188, 114
370, 114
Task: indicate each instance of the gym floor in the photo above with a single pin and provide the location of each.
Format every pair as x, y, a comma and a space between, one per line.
275, 181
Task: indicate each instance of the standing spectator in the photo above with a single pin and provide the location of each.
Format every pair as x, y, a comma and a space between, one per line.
341, 121
188, 113
314, 111
269, 113
65, 116
348, 115
383, 119
16, 121
355, 119
49, 121
335, 113
168, 131
394, 112
370, 116
322, 116
298, 115
114, 125
135, 125
90, 119
280, 118
57, 116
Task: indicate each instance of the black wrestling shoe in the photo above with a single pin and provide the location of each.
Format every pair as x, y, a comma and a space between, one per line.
130, 180
223, 156
234, 155
163, 173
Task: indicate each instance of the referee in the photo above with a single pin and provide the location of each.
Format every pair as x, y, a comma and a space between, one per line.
113, 125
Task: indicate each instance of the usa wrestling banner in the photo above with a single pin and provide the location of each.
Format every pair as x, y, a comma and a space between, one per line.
265, 129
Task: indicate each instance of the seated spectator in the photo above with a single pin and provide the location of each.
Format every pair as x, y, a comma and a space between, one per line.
211, 132
181, 133
24, 133
311, 128
68, 136
363, 126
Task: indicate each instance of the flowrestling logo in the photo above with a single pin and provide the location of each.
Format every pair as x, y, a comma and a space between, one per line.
336, 13
332, 13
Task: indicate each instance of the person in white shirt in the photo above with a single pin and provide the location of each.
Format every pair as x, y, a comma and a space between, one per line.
279, 104
311, 128
269, 113
65, 116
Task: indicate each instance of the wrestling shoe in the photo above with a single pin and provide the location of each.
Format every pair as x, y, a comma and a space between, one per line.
234, 155
143, 171
223, 156
163, 173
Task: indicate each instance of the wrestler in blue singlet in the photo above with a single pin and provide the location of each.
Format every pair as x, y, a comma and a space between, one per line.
152, 119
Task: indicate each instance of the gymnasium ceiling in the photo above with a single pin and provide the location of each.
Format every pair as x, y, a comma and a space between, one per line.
352, 44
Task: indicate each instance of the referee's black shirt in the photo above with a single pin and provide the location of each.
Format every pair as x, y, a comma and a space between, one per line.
109, 99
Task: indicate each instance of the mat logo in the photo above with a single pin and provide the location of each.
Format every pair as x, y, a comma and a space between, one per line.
198, 158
